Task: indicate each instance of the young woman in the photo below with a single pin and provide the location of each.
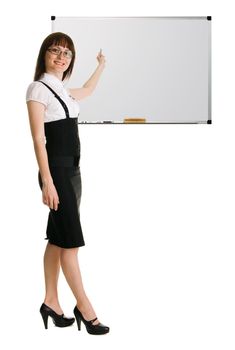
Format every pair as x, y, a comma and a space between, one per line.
53, 114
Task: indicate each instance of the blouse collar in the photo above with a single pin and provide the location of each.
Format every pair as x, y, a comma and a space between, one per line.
52, 79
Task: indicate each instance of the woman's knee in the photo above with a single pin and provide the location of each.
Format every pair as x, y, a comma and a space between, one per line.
53, 248
68, 252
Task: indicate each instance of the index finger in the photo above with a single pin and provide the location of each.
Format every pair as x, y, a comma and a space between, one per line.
56, 202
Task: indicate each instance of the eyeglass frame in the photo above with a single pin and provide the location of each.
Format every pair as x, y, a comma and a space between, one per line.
60, 51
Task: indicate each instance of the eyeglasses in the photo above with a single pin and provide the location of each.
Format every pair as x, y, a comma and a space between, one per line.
56, 51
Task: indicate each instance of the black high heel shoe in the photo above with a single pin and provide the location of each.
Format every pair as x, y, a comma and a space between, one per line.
90, 327
59, 320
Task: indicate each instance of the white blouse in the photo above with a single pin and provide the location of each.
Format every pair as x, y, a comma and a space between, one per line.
54, 111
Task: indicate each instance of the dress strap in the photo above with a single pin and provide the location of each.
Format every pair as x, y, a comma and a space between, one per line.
58, 98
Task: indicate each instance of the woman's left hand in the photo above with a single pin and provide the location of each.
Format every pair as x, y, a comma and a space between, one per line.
101, 58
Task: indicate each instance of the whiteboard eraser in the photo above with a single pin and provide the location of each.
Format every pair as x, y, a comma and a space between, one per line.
134, 120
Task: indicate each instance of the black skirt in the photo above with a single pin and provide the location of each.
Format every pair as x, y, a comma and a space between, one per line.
63, 226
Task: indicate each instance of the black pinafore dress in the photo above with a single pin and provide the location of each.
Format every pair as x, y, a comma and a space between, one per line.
63, 151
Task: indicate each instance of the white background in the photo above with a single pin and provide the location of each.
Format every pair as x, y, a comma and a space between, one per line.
157, 205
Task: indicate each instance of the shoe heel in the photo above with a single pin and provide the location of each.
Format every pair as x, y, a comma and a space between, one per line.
78, 319
45, 318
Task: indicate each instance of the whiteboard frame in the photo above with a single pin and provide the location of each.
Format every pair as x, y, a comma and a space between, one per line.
208, 18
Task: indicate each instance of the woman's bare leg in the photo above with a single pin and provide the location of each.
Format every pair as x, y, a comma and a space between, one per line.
71, 270
51, 273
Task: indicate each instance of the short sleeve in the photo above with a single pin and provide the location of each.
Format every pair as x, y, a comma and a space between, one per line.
37, 92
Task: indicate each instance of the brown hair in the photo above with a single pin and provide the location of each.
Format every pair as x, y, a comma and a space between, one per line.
56, 38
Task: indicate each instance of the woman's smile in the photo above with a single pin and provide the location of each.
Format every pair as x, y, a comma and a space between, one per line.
59, 63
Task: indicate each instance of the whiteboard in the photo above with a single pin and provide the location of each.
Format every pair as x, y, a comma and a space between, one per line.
158, 69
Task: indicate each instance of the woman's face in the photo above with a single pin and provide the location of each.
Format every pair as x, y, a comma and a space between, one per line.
57, 59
